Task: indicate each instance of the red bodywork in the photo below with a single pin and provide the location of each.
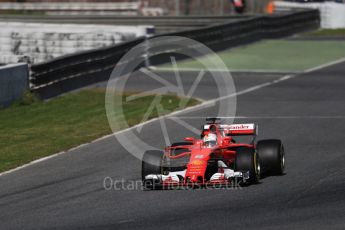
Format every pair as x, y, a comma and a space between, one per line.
200, 155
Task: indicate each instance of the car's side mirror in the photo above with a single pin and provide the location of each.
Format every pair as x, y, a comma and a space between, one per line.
190, 139
227, 139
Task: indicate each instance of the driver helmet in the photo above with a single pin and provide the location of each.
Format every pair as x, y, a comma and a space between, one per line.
210, 140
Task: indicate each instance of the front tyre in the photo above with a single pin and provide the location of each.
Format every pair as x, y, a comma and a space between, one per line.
272, 156
151, 164
246, 160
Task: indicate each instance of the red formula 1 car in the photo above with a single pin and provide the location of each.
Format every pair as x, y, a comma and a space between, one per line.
217, 159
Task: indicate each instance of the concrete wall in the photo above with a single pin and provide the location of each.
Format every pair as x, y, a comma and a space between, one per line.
78, 8
123, 8
332, 14
42, 42
14, 81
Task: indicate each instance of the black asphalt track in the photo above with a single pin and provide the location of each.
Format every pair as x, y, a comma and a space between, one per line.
307, 112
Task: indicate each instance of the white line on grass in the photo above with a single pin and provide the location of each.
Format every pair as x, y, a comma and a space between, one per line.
188, 69
325, 65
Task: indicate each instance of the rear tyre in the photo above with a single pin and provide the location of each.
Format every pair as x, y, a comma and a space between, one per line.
151, 164
247, 161
272, 156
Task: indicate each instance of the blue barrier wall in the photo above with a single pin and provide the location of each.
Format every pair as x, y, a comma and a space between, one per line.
14, 81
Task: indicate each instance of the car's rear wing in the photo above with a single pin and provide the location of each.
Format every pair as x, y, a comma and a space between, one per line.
237, 129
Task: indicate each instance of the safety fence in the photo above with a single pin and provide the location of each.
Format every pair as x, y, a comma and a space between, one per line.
74, 71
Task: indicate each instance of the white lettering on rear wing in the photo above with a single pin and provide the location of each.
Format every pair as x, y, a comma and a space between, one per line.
237, 129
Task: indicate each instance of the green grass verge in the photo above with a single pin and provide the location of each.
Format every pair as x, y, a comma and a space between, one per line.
326, 32
276, 55
30, 132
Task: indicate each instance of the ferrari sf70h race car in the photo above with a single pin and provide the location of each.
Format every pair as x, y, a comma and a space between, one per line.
217, 159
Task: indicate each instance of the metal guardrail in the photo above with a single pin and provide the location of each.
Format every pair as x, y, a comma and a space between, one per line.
77, 70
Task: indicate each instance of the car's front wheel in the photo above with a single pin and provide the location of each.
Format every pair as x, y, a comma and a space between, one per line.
247, 161
151, 164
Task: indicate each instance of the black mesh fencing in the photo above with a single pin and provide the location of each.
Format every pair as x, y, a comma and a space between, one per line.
77, 70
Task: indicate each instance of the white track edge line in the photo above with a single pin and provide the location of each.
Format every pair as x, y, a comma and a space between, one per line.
163, 69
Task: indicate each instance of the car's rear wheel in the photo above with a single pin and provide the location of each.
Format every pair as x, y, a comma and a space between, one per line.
247, 161
272, 156
151, 164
